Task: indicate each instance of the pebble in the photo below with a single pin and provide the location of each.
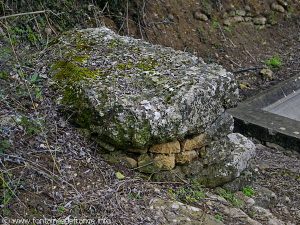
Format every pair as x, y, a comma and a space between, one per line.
267, 73
132, 163
175, 206
260, 20
287, 199
200, 16
240, 12
250, 202
278, 8
171, 17
247, 8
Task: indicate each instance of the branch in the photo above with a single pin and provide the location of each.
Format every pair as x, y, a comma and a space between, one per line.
26, 13
248, 69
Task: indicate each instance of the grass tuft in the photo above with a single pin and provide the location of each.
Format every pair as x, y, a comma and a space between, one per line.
274, 63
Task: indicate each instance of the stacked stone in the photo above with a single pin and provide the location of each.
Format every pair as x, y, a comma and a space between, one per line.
235, 16
166, 155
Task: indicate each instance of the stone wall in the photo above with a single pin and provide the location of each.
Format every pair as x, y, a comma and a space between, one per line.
164, 108
250, 15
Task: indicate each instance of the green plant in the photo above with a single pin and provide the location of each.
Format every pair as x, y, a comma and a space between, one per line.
7, 193
229, 196
4, 145
34, 78
31, 127
61, 209
248, 191
215, 24
38, 93
274, 62
219, 217
3, 75
273, 18
133, 195
202, 34
189, 194
228, 29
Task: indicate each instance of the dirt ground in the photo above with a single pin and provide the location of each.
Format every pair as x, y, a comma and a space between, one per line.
50, 169
236, 47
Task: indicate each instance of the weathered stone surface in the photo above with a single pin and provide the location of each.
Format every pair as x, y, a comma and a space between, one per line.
200, 16
186, 157
166, 148
267, 73
278, 8
132, 163
194, 143
220, 128
224, 161
156, 163
260, 20
164, 162
142, 98
146, 164
232, 20
283, 3
173, 212
240, 12
243, 151
133, 94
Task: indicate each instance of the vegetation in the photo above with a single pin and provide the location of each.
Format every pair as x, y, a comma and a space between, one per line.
6, 194
30, 126
189, 194
219, 217
229, 196
248, 191
274, 62
4, 145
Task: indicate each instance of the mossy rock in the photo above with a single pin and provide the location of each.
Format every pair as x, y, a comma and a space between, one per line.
133, 94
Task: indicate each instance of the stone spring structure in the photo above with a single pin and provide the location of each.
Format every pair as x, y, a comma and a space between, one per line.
164, 108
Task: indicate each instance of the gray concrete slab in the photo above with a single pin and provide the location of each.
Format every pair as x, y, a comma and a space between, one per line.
273, 116
288, 106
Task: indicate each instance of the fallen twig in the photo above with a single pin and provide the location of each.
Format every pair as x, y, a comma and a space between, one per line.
247, 69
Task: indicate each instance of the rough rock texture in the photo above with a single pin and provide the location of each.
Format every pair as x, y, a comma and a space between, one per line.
186, 157
134, 94
194, 143
165, 107
173, 212
166, 148
224, 160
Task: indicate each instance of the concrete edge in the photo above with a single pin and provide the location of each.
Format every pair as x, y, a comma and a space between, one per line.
251, 120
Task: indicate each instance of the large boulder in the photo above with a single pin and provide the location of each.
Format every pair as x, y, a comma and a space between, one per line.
133, 94
165, 108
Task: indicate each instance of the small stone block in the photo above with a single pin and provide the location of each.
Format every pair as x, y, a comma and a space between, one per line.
166, 148
196, 142
186, 157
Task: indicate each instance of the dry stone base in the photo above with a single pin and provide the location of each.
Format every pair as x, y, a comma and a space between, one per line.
225, 160
212, 158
